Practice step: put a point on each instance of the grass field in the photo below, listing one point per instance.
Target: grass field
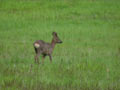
(88, 58)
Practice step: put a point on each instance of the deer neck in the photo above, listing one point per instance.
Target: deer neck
(53, 43)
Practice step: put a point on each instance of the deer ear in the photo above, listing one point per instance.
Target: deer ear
(54, 34)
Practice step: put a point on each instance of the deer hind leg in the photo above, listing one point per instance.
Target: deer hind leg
(37, 55)
(37, 58)
(50, 57)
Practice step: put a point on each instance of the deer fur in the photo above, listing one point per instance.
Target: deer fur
(44, 48)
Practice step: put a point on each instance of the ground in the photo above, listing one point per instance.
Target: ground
(88, 58)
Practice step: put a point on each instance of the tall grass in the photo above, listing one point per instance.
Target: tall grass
(88, 59)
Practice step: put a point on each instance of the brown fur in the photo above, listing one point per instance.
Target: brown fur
(44, 48)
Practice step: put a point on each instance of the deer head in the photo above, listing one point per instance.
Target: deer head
(56, 38)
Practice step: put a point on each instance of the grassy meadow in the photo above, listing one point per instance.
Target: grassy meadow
(88, 58)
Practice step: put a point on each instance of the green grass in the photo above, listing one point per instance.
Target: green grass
(88, 58)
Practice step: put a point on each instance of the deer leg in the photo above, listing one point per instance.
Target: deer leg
(50, 58)
(37, 58)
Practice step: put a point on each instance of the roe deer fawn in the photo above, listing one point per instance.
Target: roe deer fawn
(44, 48)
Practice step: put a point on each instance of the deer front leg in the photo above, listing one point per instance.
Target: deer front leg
(50, 57)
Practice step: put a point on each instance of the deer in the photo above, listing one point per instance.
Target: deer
(44, 48)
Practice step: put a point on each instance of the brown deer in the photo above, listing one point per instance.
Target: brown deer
(44, 48)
